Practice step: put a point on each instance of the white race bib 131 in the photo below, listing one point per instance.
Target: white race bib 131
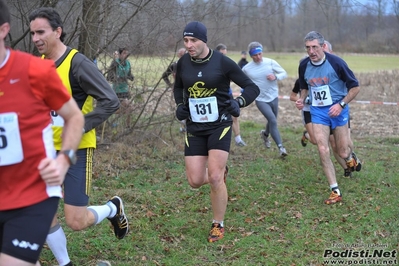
(203, 110)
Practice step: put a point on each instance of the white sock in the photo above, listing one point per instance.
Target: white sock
(104, 211)
(218, 222)
(238, 138)
(334, 187)
(57, 242)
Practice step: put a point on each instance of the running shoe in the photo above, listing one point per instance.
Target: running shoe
(119, 221)
(347, 172)
(304, 140)
(226, 171)
(334, 198)
(352, 164)
(265, 139)
(282, 152)
(216, 233)
(358, 162)
(241, 143)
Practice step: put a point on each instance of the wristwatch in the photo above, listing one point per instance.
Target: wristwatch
(71, 155)
(342, 104)
(241, 101)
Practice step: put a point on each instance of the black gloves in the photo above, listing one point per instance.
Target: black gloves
(182, 112)
(232, 107)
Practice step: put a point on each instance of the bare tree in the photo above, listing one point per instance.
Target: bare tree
(152, 31)
(91, 21)
(395, 8)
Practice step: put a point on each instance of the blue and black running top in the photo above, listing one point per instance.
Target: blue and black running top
(333, 72)
(203, 86)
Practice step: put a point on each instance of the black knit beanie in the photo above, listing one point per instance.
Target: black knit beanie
(197, 30)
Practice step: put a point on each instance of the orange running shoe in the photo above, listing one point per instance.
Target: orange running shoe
(216, 233)
(352, 164)
(334, 198)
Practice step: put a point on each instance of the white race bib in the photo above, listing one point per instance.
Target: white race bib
(11, 151)
(204, 110)
(56, 119)
(321, 96)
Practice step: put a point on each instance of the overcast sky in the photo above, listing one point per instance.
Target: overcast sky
(374, 2)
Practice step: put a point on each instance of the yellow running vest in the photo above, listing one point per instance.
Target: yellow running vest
(89, 138)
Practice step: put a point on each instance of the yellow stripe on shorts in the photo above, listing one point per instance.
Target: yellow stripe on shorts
(89, 169)
(224, 132)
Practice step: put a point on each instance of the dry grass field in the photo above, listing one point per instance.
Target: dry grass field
(367, 119)
(375, 111)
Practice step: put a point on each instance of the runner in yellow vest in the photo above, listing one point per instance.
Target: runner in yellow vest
(85, 83)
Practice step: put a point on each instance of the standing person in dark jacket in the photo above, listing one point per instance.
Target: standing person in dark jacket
(85, 83)
(171, 70)
(202, 97)
(243, 61)
(119, 72)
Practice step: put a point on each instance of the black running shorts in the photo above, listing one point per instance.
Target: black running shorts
(23, 231)
(306, 117)
(219, 139)
(77, 184)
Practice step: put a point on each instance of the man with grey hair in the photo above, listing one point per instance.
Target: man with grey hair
(265, 72)
(308, 133)
(332, 86)
(327, 47)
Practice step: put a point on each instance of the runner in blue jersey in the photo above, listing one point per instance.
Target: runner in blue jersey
(331, 85)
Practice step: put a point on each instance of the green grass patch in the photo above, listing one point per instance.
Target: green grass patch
(359, 63)
(275, 214)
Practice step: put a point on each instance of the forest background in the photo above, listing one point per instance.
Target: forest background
(154, 27)
(152, 31)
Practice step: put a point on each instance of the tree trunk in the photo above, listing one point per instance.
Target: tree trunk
(89, 37)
